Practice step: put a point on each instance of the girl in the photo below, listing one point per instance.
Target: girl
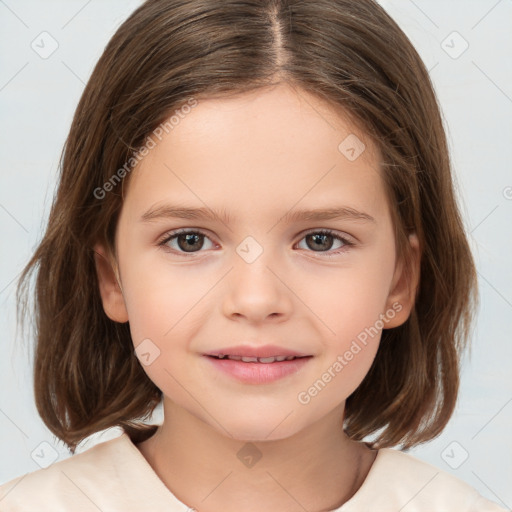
(255, 225)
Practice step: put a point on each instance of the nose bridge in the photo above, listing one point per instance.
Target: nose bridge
(254, 291)
(252, 264)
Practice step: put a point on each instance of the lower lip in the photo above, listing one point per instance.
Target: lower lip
(258, 373)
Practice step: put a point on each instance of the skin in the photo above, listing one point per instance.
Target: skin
(256, 156)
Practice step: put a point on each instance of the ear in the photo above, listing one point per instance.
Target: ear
(110, 290)
(402, 294)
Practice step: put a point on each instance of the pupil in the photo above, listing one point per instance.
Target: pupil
(190, 240)
(320, 241)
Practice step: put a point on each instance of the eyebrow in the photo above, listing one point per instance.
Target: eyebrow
(182, 212)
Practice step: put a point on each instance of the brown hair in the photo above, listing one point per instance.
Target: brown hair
(350, 54)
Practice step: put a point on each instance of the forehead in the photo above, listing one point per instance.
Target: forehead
(262, 151)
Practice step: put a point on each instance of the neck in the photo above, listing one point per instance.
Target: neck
(318, 468)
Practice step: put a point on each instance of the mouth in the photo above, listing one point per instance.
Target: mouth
(264, 360)
(258, 370)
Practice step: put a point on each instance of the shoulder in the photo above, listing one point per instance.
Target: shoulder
(400, 481)
(104, 477)
(60, 483)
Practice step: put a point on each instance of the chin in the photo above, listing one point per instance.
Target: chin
(260, 427)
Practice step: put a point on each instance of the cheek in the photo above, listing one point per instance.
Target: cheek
(349, 300)
(149, 309)
(161, 315)
(351, 305)
(158, 294)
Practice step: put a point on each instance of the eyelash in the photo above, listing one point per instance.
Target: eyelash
(329, 254)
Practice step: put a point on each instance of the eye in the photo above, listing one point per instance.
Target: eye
(324, 240)
(185, 241)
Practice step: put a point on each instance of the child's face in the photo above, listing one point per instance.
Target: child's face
(257, 158)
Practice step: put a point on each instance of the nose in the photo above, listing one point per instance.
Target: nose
(257, 291)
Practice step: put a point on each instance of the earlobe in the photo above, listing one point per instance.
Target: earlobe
(110, 291)
(405, 282)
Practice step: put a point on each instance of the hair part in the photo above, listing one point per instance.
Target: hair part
(350, 54)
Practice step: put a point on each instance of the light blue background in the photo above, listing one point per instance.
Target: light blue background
(37, 100)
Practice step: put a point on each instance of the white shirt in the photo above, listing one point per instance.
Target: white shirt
(114, 476)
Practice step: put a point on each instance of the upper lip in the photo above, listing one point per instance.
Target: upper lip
(251, 351)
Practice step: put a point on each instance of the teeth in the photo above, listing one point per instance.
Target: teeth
(247, 359)
(250, 359)
(267, 359)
